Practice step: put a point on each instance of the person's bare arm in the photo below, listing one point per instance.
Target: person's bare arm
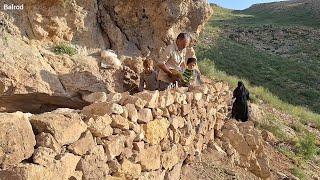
(165, 68)
(141, 84)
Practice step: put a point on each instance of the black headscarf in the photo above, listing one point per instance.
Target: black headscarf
(240, 91)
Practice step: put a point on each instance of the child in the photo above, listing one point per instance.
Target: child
(148, 78)
(190, 74)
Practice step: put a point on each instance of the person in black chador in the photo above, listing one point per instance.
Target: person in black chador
(240, 106)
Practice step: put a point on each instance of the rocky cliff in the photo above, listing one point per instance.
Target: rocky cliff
(128, 27)
(34, 79)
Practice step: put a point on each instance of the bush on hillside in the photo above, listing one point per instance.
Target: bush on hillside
(64, 49)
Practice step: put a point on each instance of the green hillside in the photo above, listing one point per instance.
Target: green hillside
(275, 49)
(284, 58)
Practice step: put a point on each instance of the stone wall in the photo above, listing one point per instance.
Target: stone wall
(149, 135)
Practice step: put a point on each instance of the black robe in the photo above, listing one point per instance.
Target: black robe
(240, 106)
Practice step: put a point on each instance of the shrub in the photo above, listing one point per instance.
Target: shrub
(306, 146)
(298, 173)
(64, 49)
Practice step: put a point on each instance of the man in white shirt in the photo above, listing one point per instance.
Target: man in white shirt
(172, 59)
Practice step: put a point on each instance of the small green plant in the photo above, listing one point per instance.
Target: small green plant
(306, 146)
(64, 3)
(298, 173)
(287, 151)
(298, 127)
(64, 49)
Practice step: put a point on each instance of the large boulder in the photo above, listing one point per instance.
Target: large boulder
(64, 125)
(16, 137)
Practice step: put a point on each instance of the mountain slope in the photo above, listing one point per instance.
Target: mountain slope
(294, 12)
(277, 55)
(273, 48)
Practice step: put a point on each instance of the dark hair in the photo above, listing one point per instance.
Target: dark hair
(183, 36)
(191, 60)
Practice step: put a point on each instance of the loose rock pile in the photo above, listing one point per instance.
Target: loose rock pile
(149, 135)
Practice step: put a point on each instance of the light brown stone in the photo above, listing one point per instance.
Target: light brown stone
(127, 153)
(94, 165)
(268, 136)
(186, 109)
(125, 113)
(114, 146)
(16, 137)
(83, 145)
(140, 136)
(197, 96)
(137, 101)
(153, 175)
(130, 170)
(177, 122)
(113, 97)
(170, 158)
(63, 168)
(157, 113)
(175, 173)
(166, 99)
(132, 112)
(129, 137)
(102, 108)
(44, 156)
(145, 115)
(138, 146)
(156, 130)
(180, 97)
(66, 127)
(166, 113)
(100, 126)
(190, 97)
(95, 97)
(151, 97)
(114, 166)
(150, 158)
(119, 122)
(47, 140)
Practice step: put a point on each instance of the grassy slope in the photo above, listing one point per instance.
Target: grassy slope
(282, 83)
(286, 83)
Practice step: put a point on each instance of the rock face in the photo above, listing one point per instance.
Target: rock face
(135, 28)
(127, 27)
(131, 26)
(16, 137)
